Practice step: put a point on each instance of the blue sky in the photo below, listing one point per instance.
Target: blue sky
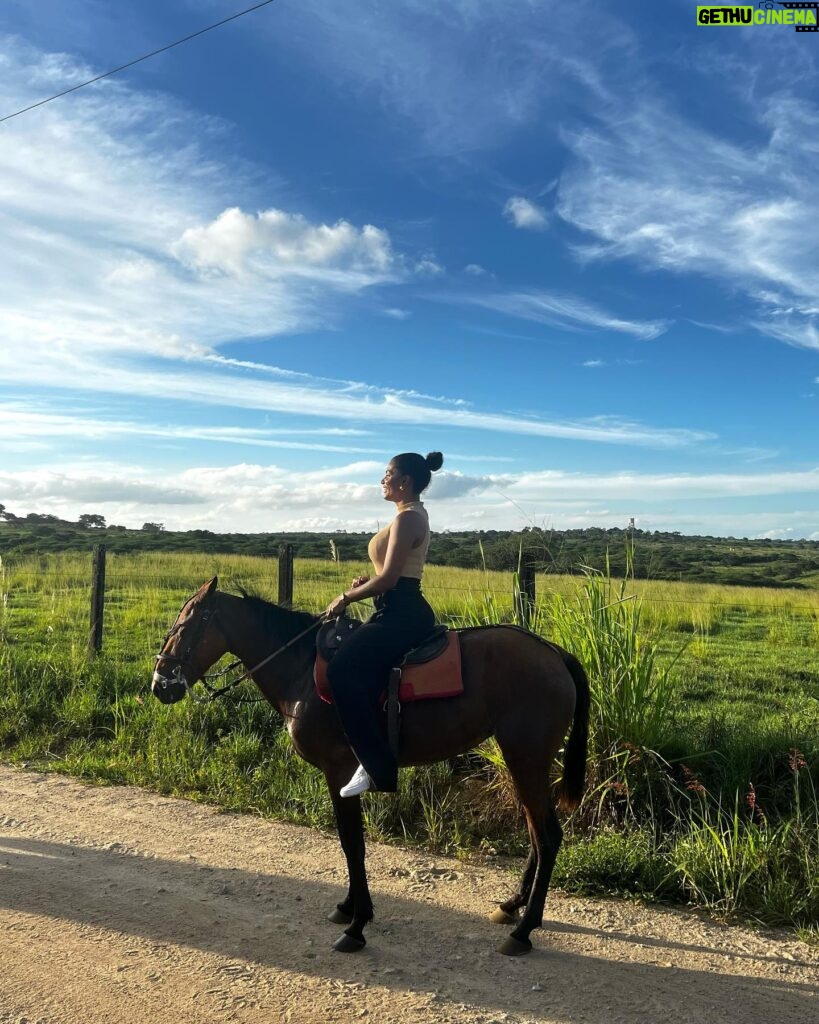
(572, 246)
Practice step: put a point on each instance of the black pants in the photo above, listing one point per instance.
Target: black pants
(359, 673)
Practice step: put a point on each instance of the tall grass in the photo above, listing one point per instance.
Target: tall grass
(732, 858)
(631, 689)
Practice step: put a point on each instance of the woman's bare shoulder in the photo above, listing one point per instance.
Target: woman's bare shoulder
(411, 514)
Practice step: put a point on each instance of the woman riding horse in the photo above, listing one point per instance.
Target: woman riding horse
(517, 687)
(358, 673)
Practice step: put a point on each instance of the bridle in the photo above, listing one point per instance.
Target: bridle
(196, 635)
(177, 677)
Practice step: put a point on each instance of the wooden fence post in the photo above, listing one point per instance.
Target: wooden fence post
(523, 590)
(97, 599)
(286, 575)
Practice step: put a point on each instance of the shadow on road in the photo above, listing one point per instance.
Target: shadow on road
(280, 922)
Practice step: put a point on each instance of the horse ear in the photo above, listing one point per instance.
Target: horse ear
(209, 588)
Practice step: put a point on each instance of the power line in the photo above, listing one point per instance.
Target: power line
(137, 60)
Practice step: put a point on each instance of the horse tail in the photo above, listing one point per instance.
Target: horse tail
(569, 789)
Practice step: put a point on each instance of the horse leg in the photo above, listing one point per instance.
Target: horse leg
(531, 783)
(506, 912)
(343, 914)
(357, 908)
(549, 838)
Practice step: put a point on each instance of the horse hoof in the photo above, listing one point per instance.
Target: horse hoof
(339, 917)
(515, 947)
(348, 944)
(500, 916)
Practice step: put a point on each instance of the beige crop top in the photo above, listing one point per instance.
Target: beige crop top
(414, 565)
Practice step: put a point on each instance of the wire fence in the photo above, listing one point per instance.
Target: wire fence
(89, 602)
(144, 580)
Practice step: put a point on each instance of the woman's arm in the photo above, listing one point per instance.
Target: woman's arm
(405, 530)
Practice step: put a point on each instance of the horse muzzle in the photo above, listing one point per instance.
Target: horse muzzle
(169, 690)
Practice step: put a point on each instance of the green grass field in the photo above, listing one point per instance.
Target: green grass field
(705, 756)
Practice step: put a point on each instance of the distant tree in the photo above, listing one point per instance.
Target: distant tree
(153, 527)
(5, 514)
(88, 519)
(42, 517)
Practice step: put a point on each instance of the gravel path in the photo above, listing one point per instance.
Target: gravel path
(117, 905)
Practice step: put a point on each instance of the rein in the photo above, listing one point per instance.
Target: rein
(214, 693)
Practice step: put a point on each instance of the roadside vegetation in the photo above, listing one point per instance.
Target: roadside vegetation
(704, 762)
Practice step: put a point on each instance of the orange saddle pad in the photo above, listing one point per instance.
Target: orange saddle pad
(440, 677)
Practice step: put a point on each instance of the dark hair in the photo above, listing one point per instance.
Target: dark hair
(418, 468)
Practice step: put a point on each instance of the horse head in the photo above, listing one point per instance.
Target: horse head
(190, 647)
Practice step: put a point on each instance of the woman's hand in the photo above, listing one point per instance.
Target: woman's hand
(336, 607)
(359, 581)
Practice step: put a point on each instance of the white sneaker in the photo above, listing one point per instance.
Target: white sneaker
(359, 783)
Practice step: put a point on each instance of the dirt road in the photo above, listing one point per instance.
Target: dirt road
(117, 905)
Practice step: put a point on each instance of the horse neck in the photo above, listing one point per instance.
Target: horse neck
(281, 680)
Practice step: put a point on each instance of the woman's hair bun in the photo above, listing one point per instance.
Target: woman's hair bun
(434, 460)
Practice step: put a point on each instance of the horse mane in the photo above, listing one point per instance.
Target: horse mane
(273, 617)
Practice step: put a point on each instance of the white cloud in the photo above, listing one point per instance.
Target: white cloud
(336, 401)
(18, 425)
(651, 186)
(800, 333)
(719, 328)
(563, 311)
(268, 497)
(475, 269)
(662, 486)
(57, 491)
(459, 75)
(448, 486)
(129, 243)
(594, 363)
(428, 267)
(397, 314)
(525, 214)
(274, 242)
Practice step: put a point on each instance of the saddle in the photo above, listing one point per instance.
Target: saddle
(431, 669)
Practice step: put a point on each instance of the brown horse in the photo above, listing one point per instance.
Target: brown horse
(518, 688)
